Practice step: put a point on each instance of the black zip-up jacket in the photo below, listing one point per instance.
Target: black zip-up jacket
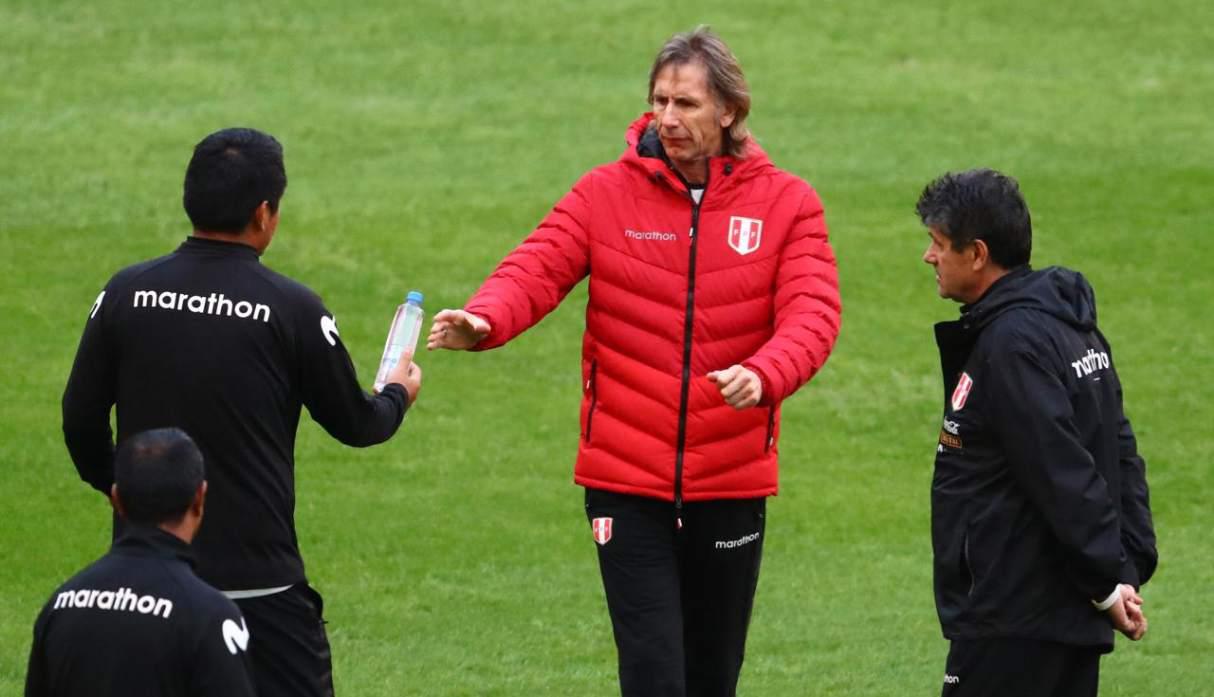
(1039, 498)
(209, 340)
(139, 622)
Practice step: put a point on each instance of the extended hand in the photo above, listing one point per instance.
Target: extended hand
(456, 330)
(740, 387)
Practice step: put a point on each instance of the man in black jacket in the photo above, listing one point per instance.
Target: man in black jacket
(208, 339)
(138, 621)
(1041, 521)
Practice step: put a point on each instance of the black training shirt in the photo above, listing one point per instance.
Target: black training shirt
(139, 622)
(209, 340)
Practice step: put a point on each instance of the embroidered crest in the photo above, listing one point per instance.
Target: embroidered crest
(602, 530)
(745, 234)
(964, 385)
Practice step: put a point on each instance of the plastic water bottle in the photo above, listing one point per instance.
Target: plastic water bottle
(402, 337)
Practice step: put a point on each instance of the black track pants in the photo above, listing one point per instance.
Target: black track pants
(288, 647)
(1020, 668)
(679, 597)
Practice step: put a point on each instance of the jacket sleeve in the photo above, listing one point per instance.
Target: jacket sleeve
(220, 666)
(329, 384)
(1034, 420)
(88, 399)
(533, 279)
(807, 308)
(1137, 528)
(36, 684)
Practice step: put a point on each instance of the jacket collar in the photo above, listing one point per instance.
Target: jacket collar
(646, 152)
(146, 541)
(208, 247)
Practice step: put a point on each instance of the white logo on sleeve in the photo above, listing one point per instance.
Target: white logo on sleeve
(237, 638)
(329, 328)
(96, 305)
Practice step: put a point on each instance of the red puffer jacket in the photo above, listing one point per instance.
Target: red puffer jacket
(676, 291)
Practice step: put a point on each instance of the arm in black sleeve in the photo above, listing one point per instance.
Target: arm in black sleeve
(87, 401)
(1035, 422)
(330, 385)
(1137, 528)
(220, 665)
(35, 676)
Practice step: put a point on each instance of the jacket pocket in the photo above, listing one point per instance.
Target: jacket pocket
(592, 390)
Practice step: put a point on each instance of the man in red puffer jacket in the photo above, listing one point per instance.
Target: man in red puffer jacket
(713, 297)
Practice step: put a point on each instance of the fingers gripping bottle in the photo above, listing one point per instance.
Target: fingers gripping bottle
(402, 337)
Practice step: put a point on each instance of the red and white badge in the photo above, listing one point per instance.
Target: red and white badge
(964, 385)
(745, 234)
(602, 530)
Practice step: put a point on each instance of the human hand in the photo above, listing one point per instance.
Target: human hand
(456, 330)
(1126, 614)
(408, 375)
(740, 387)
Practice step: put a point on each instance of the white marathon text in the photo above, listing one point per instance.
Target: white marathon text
(744, 540)
(121, 600)
(214, 304)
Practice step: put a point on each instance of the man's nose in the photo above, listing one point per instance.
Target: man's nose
(928, 257)
(666, 117)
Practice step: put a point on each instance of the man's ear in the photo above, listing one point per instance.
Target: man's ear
(262, 215)
(200, 498)
(982, 255)
(116, 502)
(728, 114)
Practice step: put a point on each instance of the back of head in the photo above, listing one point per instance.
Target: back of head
(157, 473)
(725, 78)
(231, 173)
(980, 204)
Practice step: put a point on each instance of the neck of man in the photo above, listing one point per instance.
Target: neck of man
(245, 237)
(989, 276)
(184, 528)
(694, 172)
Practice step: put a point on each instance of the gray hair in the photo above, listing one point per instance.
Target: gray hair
(725, 78)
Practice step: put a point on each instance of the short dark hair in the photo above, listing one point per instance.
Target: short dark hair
(231, 173)
(725, 79)
(157, 473)
(980, 204)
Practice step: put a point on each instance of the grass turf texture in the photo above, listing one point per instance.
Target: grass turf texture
(424, 140)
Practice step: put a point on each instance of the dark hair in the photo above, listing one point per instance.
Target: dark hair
(231, 173)
(157, 473)
(725, 78)
(980, 204)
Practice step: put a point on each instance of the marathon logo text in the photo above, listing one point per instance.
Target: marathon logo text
(213, 304)
(121, 600)
(650, 236)
(741, 541)
(1090, 363)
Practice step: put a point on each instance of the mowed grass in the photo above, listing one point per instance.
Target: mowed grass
(425, 139)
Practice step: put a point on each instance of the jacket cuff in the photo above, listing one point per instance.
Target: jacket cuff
(1109, 601)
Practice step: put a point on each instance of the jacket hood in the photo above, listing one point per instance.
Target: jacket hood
(1057, 291)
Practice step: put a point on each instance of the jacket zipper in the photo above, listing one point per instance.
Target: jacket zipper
(771, 427)
(688, 324)
(592, 385)
(965, 551)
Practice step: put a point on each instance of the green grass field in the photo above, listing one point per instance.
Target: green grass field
(425, 139)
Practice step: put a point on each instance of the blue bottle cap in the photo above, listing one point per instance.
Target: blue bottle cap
(414, 297)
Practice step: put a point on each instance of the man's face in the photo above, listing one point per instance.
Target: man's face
(956, 277)
(688, 116)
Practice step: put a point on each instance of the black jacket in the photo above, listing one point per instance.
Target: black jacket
(209, 340)
(1039, 498)
(139, 622)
